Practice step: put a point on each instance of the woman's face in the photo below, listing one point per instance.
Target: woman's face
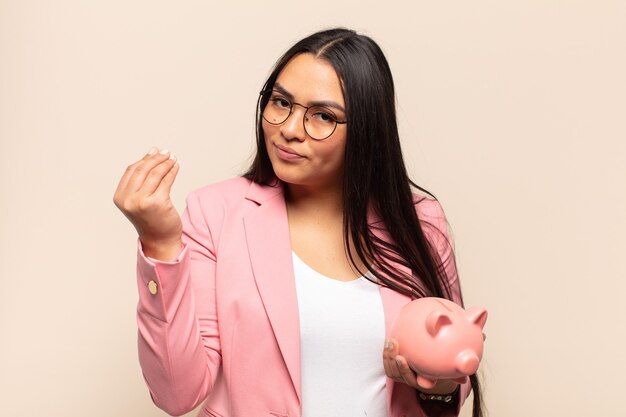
(296, 157)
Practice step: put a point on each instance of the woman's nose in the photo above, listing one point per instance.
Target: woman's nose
(293, 127)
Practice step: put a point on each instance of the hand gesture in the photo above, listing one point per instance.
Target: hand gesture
(143, 195)
(398, 369)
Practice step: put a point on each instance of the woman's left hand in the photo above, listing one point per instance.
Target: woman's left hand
(397, 368)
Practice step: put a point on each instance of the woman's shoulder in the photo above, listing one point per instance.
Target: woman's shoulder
(428, 208)
(432, 218)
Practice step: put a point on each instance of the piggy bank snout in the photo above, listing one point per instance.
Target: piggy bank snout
(467, 362)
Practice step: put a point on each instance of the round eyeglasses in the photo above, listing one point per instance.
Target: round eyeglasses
(319, 122)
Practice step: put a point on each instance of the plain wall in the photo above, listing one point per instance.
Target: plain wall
(511, 113)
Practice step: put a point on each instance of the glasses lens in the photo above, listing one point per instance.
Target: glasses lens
(320, 122)
(277, 109)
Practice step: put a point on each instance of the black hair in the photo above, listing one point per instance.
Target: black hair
(374, 173)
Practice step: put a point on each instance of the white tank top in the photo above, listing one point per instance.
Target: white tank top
(342, 333)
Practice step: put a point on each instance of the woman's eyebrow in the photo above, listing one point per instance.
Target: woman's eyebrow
(323, 103)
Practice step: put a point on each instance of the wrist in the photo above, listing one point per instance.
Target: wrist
(447, 398)
(161, 250)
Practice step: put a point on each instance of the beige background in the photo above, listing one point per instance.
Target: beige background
(512, 113)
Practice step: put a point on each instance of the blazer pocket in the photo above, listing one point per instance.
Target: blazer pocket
(210, 413)
(277, 414)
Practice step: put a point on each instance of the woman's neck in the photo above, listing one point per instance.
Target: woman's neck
(326, 201)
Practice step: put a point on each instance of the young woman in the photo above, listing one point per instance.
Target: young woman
(274, 294)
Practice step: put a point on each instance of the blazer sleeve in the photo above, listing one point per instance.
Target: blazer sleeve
(178, 338)
(435, 226)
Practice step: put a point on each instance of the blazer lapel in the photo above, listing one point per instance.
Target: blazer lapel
(269, 246)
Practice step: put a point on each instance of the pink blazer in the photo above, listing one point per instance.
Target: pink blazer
(220, 322)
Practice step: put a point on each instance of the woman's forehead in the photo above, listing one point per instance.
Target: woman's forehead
(310, 79)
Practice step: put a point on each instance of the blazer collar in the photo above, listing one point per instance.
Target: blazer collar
(259, 194)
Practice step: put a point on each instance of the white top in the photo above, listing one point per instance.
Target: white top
(342, 333)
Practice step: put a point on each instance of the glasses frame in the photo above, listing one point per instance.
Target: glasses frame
(306, 109)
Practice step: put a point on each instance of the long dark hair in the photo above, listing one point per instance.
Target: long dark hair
(374, 177)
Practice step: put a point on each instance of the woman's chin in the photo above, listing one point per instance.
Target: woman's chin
(290, 178)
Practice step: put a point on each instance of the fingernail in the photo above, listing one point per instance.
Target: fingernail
(389, 345)
(398, 361)
(152, 151)
(173, 157)
(164, 152)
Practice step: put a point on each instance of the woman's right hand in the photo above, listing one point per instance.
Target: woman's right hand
(143, 195)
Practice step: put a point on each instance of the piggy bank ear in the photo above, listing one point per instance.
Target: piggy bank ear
(435, 321)
(477, 315)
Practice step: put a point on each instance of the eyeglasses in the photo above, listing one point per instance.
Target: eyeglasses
(319, 122)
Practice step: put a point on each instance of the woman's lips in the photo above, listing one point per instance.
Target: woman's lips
(287, 154)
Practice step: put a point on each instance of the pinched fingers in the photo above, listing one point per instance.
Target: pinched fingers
(155, 177)
(143, 197)
(149, 172)
(144, 177)
(130, 170)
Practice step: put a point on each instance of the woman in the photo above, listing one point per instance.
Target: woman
(274, 293)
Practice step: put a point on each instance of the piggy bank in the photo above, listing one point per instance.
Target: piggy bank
(439, 339)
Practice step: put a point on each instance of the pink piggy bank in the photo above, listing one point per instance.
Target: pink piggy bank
(439, 339)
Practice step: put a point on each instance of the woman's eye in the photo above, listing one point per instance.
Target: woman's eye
(324, 116)
(281, 102)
